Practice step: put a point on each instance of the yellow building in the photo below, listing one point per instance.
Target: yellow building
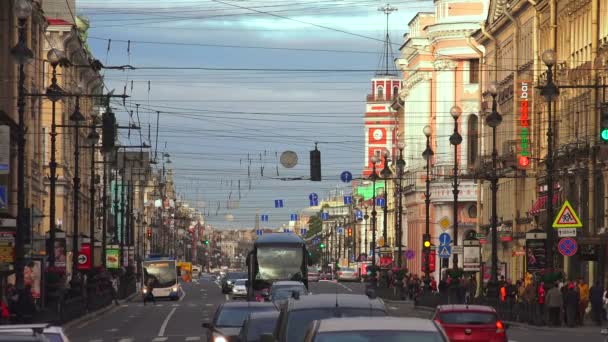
(514, 38)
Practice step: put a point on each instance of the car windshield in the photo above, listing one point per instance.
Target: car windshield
(467, 317)
(384, 336)
(260, 326)
(284, 292)
(298, 320)
(240, 282)
(160, 274)
(234, 317)
(279, 263)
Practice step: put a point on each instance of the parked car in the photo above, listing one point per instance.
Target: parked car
(239, 290)
(385, 329)
(298, 313)
(229, 280)
(313, 275)
(471, 323)
(229, 318)
(257, 324)
(32, 332)
(325, 276)
(280, 291)
(348, 274)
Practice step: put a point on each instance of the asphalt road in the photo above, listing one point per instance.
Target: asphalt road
(181, 320)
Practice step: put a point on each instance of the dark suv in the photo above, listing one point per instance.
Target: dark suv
(229, 280)
(297, 313)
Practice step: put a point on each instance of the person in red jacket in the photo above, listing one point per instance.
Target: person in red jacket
(541, 300)
(6, 316)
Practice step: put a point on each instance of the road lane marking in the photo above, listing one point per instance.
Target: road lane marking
(175, 305)
(208, 304)
(160, 339)
(193, 338)
(161, 332)
(96, 341)
(227, 298)
(393, 308)
(346, 287)
(125, 340)
(112, 330)
(184, 296)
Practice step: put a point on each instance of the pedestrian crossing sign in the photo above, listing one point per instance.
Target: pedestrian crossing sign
(567, 217)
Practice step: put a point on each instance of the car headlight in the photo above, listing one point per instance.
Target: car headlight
(219, 338)
(229, 282)
(145, 291)
(174, 289)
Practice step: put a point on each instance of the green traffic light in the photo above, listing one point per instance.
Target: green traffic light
(206, 242)
(604, 134)
(322, 245)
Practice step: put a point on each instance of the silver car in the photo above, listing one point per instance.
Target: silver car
(348, 274)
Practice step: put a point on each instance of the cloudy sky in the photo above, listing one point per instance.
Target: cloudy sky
(239, 82)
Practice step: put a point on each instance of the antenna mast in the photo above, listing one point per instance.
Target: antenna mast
(387, 9)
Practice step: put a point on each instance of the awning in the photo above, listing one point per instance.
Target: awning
(541, 204)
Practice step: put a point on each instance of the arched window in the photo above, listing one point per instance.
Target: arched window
(380, 92)
(395, 92)
(473, 139)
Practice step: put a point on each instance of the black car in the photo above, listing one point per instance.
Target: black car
(258, 324)
(229, 318)
(229, 280)
(297, 314)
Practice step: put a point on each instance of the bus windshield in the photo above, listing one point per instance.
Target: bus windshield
(279, 263)
(159, 274)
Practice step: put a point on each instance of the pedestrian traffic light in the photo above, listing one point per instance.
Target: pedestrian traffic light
(206, 242)
(315, 165)
(108, 136)
(604, 122)
(350, 232)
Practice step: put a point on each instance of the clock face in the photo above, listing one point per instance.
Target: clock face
(378, 134)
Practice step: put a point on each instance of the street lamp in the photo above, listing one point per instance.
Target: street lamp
(77, 117)
(22, 55)
(366, 217)
(550, 91)
(400, 171)
(386, 175)
(455, 139)
(427, 155)
(493, 120)
(92, 139)
(374, 176)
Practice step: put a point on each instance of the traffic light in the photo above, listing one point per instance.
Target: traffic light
(322, 245)
(108, 135)
(426, 242)
(206, 242)
(149, 233)
(315, 165)
(350, 232)
(604, 122)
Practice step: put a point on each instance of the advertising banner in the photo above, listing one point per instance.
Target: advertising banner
(60, 253)
(472, 258)
(84, 257)
(536, 255)
(32, 276)
(7, 249)
(112, 258)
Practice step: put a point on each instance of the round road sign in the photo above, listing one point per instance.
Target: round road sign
(567, 247)
(82, 259)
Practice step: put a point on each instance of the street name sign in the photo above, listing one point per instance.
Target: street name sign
(567, 218)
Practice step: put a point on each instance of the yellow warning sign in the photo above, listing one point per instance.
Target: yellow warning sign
(567, 218)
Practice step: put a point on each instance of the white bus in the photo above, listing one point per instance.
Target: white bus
(160, 273)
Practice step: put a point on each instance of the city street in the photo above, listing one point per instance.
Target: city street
(181, 320)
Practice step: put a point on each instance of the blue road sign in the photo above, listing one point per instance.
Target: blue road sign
(445, 239)
(278, 203)
(293, 217)
(348, 200)
(358, 215)
(259, 232)
(3, 197)
(264, 218)
(340, 230)
(303, 231)
(324, 216)
(444, 251)
(567, 247)
(380, 202)
(314, 202)
(313, 196)
(346, 177)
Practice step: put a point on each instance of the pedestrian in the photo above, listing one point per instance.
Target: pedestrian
(114, 288)
(583, 290)
(572, 305)
(596, 297)
(554, 301)
(149, 295)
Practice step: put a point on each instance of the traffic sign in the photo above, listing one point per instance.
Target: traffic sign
(445, 251)
(3, 197)
(340, 230)
(567, 246)
(82, 259)
(380, 202)
(358, 215)
(445, 239)
(346, 177)
(348, 200)
(566, 232)
(567, 218)
(409, 254)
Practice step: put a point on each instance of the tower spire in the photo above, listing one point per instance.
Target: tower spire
(387, 51)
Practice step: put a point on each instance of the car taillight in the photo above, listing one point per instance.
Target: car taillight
(500, 328)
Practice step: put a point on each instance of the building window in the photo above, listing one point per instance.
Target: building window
(395, 92)
(473, 139)
(380, 92)
(474, 71)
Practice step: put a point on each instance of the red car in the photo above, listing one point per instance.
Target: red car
(471, 323)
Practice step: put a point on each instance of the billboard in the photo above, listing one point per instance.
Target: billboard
(112, 258)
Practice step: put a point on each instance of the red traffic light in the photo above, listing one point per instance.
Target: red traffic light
(350, 232)
(524, 161)
(149, 232)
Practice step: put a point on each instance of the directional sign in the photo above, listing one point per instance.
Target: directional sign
(348, 200)
(324, 216)
(567, 246)
(567, 218)
(314, 199)
(346, 177)
(409, 254)
(264, 218)
(82, 259)
(445, 239)
(566, 232)
(380, 202)
(303, 231)
(259, 232)
(3, 197)
(340, 230)
(293, 217)
(444, 251)
(358, 215)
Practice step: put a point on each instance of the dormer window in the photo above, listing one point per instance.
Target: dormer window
(380, 92)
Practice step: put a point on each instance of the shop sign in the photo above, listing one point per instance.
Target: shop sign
(84, 257)
(7, 247)
(536, 255)
(524, 123)
(112, 258)
(472, 259)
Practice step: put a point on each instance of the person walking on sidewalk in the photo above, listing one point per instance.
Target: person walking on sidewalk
(583, 290)
(572, 305)
(114, 284)
(554, 302)
(596, 297)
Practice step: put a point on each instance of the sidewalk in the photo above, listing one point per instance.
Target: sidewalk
(97, 313)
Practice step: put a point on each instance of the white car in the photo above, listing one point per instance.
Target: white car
(239, 290)
(51, 333)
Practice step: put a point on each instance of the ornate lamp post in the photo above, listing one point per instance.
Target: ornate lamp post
(386, 175)
(22, 55)
(493, 120)
(77, 117)
(550, 91)
(427, 155)
(92, 139)
(374, 176)
(455, 139)
(400, 171)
